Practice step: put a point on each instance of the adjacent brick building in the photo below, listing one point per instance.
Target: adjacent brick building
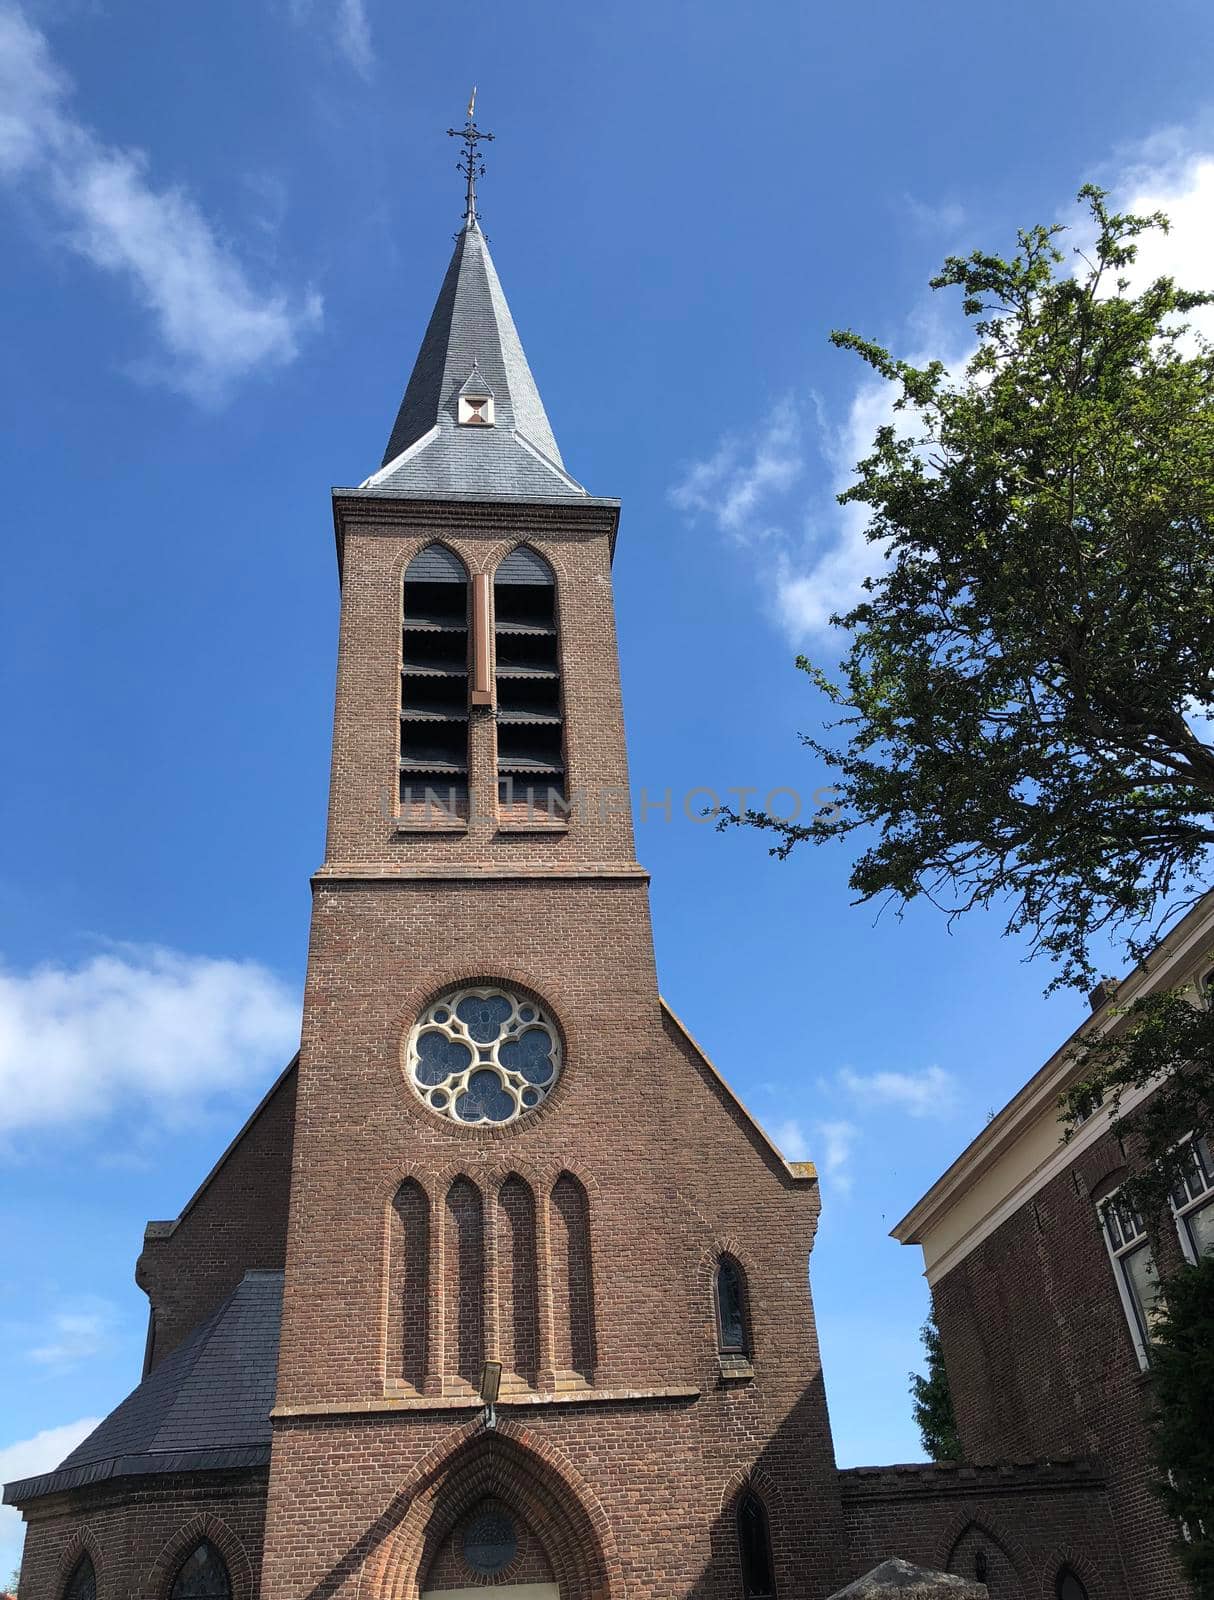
(498, 1146)
(1042, 1283)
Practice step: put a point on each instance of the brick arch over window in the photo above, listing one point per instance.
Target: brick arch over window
(572, 1274)
(521, 1472)
(82, 1543)
(1080, 1564)
(1008, 1575)
(167, 1564)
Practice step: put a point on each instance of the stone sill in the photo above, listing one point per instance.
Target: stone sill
(735, 1369)
(555, 826)
(430, 827)
(454, 1402)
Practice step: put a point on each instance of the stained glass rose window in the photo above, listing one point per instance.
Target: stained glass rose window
(483, 1056)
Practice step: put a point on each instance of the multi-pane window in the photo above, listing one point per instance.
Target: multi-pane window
(203, 1575)
(754, 1547)
(82, 1585)
(1068, 1585)
(731, 1314)
(530, 721)
(1130, 1250)
(1193, 1200)
(434, 689)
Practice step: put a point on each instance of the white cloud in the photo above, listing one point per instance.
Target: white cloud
(791, 1141)
(215, 327)
(348, 26)
(25, 1459)
(942, 217)
(1183, 189)
(828, 1144)
(838, 1140)
(136, 1026)
(929, 1093)
(745, 474)
(75, 1335)
(354, 34)
(752, 486)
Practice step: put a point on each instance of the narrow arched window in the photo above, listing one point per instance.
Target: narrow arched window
(1068, 1585)
(203, 1575)
(530, 723)
(434, 689)
(754, 1546)
(82, 1585)
(731, 1308)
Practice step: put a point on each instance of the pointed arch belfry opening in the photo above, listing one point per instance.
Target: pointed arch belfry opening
(434, 688)
(513, 1470)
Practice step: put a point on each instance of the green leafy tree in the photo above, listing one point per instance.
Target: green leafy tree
(1182, 1362)
(1024, 689)
(933, 1402)
(14, 1578)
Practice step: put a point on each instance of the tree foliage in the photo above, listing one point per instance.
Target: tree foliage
(1027, 675)
(1182, 1362)
(933, 1402)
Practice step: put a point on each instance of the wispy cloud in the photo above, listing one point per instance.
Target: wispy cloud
(838, 1139)
(931, 1092)
(75, 1335)
(25, 1459)
(346, 24)
(745, 474)
(138, 1026)
(777, 482)
(939, 218)
(214, 326)
(829, 1144)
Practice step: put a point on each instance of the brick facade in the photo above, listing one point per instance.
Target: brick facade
(1041, 1360)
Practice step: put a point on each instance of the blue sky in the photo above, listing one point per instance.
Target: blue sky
(225, 227)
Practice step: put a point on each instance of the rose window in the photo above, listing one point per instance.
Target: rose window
(483, 1055)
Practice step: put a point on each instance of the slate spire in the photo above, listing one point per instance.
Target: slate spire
(472, 341)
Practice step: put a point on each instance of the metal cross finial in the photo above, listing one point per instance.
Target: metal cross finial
(470, 163)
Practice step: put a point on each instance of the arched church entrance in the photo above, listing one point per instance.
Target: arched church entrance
(499, 1510)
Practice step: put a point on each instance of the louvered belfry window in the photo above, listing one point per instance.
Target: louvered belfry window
(530, 723)
(434, 689)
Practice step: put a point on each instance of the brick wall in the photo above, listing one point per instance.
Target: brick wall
(137, 1531)
(1016, 1525)
(1041, 1361)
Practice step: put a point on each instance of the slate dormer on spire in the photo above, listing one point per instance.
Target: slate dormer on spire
(472, 340)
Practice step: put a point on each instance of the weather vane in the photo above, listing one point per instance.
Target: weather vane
(470, 164)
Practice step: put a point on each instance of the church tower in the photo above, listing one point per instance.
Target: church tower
(507, 1149)
(500, 1160)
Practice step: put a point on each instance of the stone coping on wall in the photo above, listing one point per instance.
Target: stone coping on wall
(933, 1478)
(449, 1402)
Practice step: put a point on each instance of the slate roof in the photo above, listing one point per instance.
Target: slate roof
(205, 1406)
(429, 455)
